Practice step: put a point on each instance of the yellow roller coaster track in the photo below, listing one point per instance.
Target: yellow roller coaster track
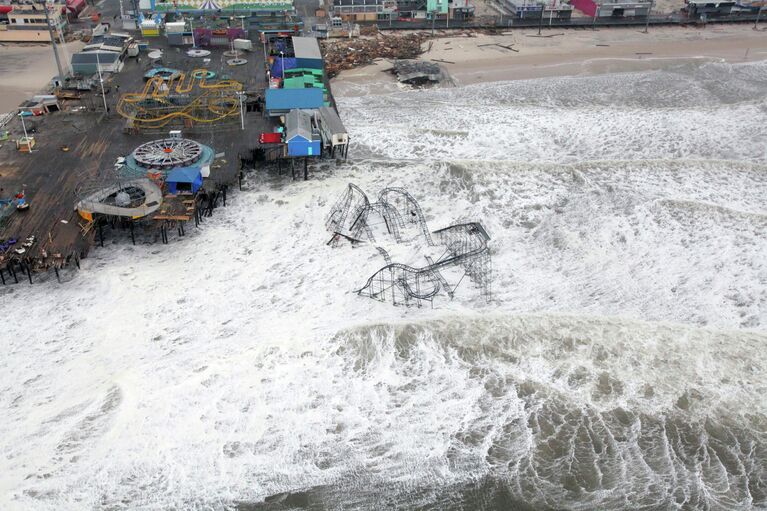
(219, 98)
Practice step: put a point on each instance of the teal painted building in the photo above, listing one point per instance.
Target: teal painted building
(440, 6)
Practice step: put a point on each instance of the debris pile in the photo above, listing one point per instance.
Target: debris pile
(418, 72)
(351, 53)
(369, 30)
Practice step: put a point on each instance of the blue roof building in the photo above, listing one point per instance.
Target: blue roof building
(184, 180)
(302, 138)
(282, 101)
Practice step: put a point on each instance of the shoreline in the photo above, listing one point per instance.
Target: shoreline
(480, 59)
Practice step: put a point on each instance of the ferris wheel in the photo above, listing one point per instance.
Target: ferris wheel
(168, 153)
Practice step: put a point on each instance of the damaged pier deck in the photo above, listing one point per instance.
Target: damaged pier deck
(49, 176)
(80, 143)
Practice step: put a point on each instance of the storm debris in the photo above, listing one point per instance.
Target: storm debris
(418, 72)
(351, 53)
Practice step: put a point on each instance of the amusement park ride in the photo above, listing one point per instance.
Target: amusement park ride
(183, 99)
(463, 247)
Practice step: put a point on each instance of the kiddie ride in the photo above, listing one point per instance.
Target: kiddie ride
(19, 201)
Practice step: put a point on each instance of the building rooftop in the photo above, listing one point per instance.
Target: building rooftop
(184, 175)
(93, 57)
(298, 123)
(107, 43)
(306, 48)
(289, 99)
(331, 120)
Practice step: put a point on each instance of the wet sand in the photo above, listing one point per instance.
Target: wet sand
(25, 69)
(566, 53)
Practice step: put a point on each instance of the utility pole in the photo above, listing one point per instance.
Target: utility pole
(53, 41)
(540, 19)
(596, 13)
(433, 19)
(758, 13)
(66, 67)
(647, 22)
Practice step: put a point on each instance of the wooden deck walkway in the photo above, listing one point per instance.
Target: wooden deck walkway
(50, 176)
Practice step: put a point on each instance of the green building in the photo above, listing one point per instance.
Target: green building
(439, 6)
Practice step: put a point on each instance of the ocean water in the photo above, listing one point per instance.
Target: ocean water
(620, 362)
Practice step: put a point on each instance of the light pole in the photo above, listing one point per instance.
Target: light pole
(135, 14)
(266, 58)
(101, 81)
(540, 19)
(240, 94)
(758, 13)
(26, 137)
(282, 62)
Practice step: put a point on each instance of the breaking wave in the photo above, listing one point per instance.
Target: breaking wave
(569, 412)
(618, 365)
(714, 110)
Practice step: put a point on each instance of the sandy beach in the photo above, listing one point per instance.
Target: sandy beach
(566, 53)
(26, 69)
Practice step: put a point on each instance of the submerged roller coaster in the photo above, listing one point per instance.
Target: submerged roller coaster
(183, 99)
(464, 246)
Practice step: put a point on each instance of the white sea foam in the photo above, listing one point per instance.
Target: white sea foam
(618, 364)
(684, 112)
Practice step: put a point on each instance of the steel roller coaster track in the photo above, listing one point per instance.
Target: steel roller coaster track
(465, 246)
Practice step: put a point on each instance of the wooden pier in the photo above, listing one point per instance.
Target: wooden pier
(81, 142)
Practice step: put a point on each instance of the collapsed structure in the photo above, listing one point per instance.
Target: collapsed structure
(419, 72)
(463, 247)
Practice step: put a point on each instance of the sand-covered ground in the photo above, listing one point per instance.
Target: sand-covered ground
(566, 53)
(26, 69)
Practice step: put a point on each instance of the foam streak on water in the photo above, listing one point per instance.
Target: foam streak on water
(620, 363)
